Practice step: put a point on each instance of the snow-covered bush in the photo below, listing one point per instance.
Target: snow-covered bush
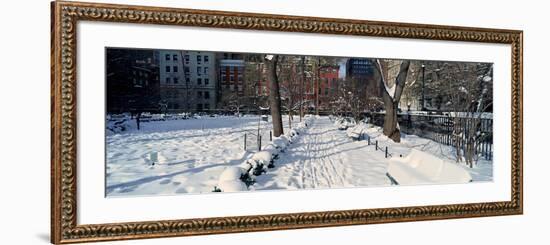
(263, 159)
(232, 186)
(287, 139)
(231, 180)
(293, 133)
(272, 149)
(280, 143)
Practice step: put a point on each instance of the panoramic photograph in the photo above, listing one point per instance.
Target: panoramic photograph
(190, 122)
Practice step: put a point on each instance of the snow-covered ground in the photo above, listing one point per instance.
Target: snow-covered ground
(193, 153)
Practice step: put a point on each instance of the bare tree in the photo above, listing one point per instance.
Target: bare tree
(468, 92)
(274, 96)
(302, 84)
(391, 96)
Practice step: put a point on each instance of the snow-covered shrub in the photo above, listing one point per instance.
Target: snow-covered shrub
(280, 143)
(272, 149)
(287, 139)
(231, 173)
(232, 186)
(293, 133)
(231, 180)
(265, 158)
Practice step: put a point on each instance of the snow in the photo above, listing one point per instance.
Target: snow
(263, 157)
(325, 157)
(231, 173)
(279, 142)
(423, 168)
(232, 186)
(192, 154)
(200, 155)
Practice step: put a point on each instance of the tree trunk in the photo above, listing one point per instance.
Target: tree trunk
(391, 102)
(390, 120)
(317, 86)
(303, 81)
(274, 96)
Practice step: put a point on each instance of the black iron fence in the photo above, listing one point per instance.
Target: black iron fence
(448, 130)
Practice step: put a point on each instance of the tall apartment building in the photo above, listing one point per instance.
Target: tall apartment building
(173, 88)
(200, 74)
(187, 80)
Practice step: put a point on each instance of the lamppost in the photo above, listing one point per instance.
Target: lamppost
(423, 84)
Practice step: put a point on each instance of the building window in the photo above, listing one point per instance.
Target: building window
(207, 95)
(186, 59)
(205, 59)
(206, 106)
(187, 80)
(175, 57)
(199, 81)
(206, 70)
(199, 59)
(199, 94)
(175, 80)
(167, 57)
(167, 80)
(198, 70)
(231, 78)
(206, 81)
(175, 69)
(167, 68)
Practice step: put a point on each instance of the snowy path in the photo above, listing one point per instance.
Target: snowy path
(324, 157)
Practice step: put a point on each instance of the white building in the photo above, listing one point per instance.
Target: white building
(187, 80)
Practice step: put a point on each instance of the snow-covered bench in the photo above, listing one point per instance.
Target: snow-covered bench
(423, 168)
(356, 133)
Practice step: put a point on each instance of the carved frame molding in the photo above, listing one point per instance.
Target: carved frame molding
(65, 15)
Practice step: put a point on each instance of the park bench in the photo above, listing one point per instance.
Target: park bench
(356, 133)
(419, 167)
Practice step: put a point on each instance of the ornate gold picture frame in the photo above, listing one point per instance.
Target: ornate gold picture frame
(64, 107)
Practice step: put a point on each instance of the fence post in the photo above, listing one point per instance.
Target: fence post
(245, 141)
(260, 143)
(376, 145)
(270, 135)
(386, 152)
(368, 139)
